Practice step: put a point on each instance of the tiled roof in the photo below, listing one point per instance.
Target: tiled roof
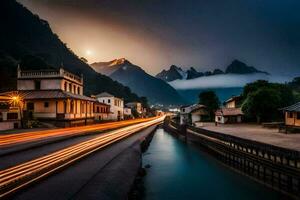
(47, 94)
(295, 108)
(229, 112)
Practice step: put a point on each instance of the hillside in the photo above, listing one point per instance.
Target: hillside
(29, 40)
(156, 90)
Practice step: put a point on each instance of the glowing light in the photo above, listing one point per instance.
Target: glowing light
(88, 52)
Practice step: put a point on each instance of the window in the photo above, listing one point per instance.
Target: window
(108, 100)
(98, 109)
(78, 90)
(103, 101)
(12, 116)
(298, 115)
(290, 115)
(70, 87)
(46, 104)
(65, 86)
(37, 85)
(30, 106)
(74, 89)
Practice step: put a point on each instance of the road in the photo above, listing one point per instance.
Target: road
(7, 140)
(24, 174)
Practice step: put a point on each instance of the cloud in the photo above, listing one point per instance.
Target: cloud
(226, 81)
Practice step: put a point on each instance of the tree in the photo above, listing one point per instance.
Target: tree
(262, 104)
(84, 59)
(211, 101)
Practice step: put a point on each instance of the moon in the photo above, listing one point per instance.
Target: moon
(88, 52)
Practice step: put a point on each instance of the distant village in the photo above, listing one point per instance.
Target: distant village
(55, 98)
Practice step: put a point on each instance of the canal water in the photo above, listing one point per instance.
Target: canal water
(183, 171)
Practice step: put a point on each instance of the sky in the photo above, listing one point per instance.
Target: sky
(204, 34)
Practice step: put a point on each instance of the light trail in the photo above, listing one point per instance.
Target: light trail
(18, 138)
(22, 175)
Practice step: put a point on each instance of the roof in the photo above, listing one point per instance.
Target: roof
(233, 98)
(194, 107)
(229, 112)
(47, 94)
(102, 104)
(104, 94)
(295, 107)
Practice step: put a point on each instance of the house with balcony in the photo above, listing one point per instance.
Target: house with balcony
(54, 96)
(116, 105)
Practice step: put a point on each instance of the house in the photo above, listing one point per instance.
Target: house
(192, 114)
(10, 113)
(292, 116)
(233, 102)
(116, 105)
(228, 115)
(127, 113)
(231, 113)
(136, 106)
(101, 111)
(54, 96)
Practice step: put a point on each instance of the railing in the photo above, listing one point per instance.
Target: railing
(38, 74)
(275, 166)
(49, 73)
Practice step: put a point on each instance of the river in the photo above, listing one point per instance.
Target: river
(183, 171)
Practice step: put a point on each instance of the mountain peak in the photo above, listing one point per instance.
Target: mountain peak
(238, 67)
(119, 61)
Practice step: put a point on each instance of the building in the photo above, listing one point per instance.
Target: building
(231, 113)
(137, 107)
(55, 96)
(292, 116)
(192, 114)
(10, 113)
(128, 113)
(116, 105)
(233, 102)
(101, 111)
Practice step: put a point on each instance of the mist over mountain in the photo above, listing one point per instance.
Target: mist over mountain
(157, 91)
(28, 40)
(236, 67)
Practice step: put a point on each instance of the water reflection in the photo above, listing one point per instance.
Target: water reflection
(180, 171)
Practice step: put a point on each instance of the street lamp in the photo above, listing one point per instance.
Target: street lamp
(16, 102)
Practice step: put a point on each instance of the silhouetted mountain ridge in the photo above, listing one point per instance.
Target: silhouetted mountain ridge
(133, 76)
(236, 67)
(29, 40)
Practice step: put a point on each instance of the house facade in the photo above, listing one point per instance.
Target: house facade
(101, 111)
(116, 105)
(292, 116)
(55, 96)
(128, 113)
(231, 112)
(10, 113)
(192, 114)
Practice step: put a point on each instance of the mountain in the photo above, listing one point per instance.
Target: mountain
(29, 40)
(156, 90)
(176, 73)
(238, 67)
(172, 74)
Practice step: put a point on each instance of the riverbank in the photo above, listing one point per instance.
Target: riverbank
(273, 166)
(178, 170)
